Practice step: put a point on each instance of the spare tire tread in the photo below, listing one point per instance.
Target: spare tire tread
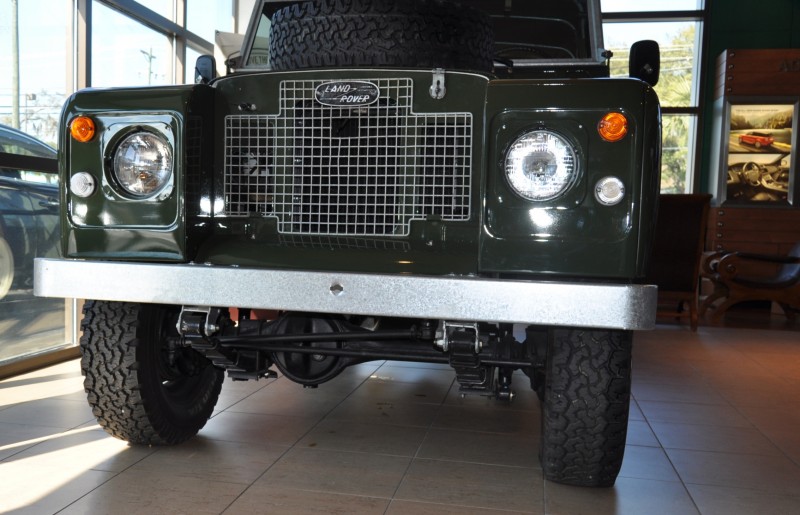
(415, 33)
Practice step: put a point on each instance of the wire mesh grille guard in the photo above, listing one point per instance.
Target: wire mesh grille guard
(348, 171)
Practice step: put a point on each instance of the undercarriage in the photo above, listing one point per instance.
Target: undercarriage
(154, 372)
(312, 348)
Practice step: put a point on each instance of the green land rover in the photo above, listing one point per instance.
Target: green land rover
(446, 181)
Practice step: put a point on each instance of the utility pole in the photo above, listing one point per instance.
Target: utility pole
(28, 96)
(149, 56)
(15, 64)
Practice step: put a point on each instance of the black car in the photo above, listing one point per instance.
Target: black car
(28, 228)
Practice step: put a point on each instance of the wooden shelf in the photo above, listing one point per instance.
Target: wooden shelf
(770, 72)
(753, 229)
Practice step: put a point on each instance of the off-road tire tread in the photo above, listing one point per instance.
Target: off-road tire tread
(586, 405)
(380, 33)
(116, 380)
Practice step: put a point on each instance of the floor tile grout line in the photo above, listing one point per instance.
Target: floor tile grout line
(114, 476)
(669, 459)
(733, 405)
(746, 489)
(755, 426)
(443, 405)
(270, 382)
(299, 439)
(252, 483)
(419, 447)
(737, 407)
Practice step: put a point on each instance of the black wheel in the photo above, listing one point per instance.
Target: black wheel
(6, 267)
(141, 388)
(403, 33)
(585, 407)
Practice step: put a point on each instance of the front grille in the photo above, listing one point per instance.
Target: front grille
(348, 171)
(313, 241)
(194, 168)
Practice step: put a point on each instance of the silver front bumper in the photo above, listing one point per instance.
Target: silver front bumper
(611, 306)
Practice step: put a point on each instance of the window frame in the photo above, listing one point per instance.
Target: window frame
(700, 16)
(180, 37)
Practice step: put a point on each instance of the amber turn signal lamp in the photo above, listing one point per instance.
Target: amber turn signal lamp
(613, 127)
(82, 129)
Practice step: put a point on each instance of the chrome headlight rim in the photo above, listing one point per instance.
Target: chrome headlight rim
(151, 179)
(536, 189)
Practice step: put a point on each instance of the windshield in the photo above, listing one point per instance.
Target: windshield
(539, 29)
(526, 31)
(259, 54)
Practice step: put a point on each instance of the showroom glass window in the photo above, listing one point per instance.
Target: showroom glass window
(35, 79)
(135, 47)
(677, 26)
(205, 18)
(125, 52)
(165, 8)
(133, 43)
(45, 77)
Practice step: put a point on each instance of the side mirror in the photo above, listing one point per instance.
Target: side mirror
(205, 69)
(645, 61)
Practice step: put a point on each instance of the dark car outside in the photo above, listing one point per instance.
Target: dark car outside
(29, 228)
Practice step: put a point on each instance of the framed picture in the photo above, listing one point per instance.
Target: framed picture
(759, 158)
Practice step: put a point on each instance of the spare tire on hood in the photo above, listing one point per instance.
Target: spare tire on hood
(381, 33)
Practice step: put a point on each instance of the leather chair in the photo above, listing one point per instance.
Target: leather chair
(736, 278)
(675, 258)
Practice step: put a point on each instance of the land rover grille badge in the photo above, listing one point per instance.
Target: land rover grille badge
(351, 93)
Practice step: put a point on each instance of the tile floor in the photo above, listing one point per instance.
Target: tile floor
(713, 431)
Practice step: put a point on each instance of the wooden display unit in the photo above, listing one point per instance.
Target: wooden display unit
(758, 72)
(754, 161)
(756, 107)
(745, 229)
(764, 231)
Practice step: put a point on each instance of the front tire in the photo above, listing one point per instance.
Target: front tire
(585, 406)
(141, 390)
(6, 267)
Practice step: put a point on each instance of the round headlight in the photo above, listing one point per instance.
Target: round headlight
(541, 165)
(143, 163)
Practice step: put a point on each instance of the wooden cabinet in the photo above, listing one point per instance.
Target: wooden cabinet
(753, 229)
(760, 71)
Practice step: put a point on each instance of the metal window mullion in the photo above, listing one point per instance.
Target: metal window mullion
(83, 24)
(142, 14)
(659, 16)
